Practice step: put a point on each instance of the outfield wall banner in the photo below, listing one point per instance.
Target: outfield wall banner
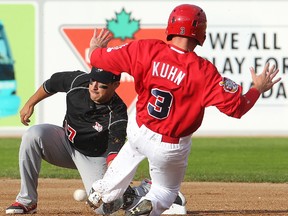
(239, 35)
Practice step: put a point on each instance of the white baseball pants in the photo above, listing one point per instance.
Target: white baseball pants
(167, 165)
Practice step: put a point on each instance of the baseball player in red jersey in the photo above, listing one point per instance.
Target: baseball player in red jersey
(174, 87)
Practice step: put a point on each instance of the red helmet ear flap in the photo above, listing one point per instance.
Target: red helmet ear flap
(187, 20)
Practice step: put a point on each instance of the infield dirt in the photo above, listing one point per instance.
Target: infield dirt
(203, 198)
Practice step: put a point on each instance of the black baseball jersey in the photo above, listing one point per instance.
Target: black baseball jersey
(92, 129)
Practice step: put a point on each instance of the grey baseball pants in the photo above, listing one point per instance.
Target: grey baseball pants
(49, 142)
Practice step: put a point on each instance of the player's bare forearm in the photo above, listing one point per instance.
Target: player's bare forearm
(28, 109)
(99, 41)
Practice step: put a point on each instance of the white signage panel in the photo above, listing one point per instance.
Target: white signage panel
(240, 34)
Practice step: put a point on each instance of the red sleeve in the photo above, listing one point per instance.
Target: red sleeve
(226, 95)
(115, 59)
(247, 102)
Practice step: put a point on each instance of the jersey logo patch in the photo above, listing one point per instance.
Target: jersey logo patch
(229, 85)
(98, 127)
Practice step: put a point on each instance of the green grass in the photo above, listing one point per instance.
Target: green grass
(230, 159)
(239, 159)
(9, 148)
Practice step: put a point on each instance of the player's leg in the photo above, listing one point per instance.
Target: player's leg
(120, 173)
(178, 207)
(167, 170)
(39, 142)
(90, 169)
(118, 206)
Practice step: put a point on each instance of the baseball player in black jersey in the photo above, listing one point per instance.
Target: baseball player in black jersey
(94, 130)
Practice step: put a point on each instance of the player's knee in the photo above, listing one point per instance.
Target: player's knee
(31, 137)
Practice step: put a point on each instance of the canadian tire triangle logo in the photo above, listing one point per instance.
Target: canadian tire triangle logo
(124, 29)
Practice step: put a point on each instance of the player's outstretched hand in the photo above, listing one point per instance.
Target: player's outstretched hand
(99, 40)
(265, 81)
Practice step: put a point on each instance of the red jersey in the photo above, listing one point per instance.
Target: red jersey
(173, 86)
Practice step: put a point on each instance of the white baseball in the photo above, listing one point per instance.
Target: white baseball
(80, 195)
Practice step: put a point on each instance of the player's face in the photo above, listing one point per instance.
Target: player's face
(100, 92)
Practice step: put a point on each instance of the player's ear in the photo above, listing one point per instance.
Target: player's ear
(116, 84)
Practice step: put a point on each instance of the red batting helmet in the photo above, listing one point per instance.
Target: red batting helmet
(187, 20)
